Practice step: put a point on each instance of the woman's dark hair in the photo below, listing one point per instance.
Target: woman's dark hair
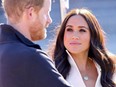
(97, 51)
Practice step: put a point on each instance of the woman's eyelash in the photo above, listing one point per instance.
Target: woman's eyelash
(82, 30)
(69, 29)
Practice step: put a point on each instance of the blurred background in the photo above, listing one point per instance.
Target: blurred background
(104, 10)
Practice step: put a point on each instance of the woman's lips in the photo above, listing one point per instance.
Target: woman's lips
(75, 43)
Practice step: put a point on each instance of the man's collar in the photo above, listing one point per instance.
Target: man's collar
(9, 31)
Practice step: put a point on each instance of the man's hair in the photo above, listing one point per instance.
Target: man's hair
(15, 8)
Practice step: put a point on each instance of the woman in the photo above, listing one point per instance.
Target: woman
(80, 54)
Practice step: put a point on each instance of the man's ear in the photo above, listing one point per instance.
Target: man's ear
(30, 12)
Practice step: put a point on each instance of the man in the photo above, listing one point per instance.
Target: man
(23, 63)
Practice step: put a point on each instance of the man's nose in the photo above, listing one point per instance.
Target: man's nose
(49, 19)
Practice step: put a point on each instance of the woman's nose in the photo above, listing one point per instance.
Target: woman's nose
(75, 35)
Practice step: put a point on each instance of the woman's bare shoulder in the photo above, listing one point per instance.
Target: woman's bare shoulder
(113, 57)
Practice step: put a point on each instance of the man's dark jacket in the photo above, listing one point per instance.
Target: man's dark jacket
(24, 64)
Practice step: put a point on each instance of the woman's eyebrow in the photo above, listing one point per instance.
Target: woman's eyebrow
(83, 27)
(78, 26)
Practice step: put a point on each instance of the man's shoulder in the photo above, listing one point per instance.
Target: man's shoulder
(20, 50)
(25, 55)
(28, 51)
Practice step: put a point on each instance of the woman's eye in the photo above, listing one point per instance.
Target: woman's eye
(82, 30)
(69, 29)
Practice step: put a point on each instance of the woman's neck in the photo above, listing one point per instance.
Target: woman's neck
(81, 61)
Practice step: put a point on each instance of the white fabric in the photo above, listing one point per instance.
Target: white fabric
(74, 77)
(114, 76)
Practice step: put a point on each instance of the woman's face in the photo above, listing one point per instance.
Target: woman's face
(77, 35)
